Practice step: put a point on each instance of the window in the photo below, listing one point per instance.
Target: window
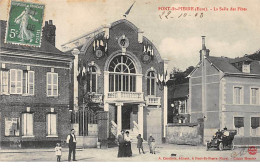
(4, 80)
(27, 124)
(151, 83)
(255, 126)
(12, 127)
(246, 68)
(51, 124)
(238, 95)
(122, 74)
(239, 125)
(92, 79)
(254, 96)
(16, 81)
(182, 106)
(52, 84)
(28, 82)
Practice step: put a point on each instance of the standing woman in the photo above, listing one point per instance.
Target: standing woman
(128, 149)
(121, 146)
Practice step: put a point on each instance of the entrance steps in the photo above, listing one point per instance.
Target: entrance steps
(133, 136)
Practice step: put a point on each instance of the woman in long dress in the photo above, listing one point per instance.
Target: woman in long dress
(128, 149)
(22, 19)
(121, 146)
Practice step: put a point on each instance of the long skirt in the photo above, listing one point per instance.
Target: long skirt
(121, 150)
(128, 149)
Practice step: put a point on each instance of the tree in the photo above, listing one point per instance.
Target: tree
(178, 76)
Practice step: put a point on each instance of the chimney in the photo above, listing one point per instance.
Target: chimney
(204, 52)
(49, 32)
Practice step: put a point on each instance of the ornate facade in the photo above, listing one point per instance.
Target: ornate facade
(122, 71)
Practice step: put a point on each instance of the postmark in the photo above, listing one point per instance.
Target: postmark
(252, 150)
(24, 25)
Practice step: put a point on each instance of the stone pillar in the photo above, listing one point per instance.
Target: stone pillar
(165, 98)
(119, 117)
(76, 53)
(141, 119)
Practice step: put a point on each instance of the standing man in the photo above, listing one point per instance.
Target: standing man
(71, 140)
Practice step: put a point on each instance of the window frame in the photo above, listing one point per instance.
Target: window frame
(90, 81)
(1, 82)
(122, 81)
(48, 129)
(241, 95)
(257, 98)
(150, 78)
(15, 81)
(235, 128)
(254, 116)
(19, 127)
(26, 125)
(52, 85)
(28, 83)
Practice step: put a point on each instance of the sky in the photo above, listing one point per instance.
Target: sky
(178, 38)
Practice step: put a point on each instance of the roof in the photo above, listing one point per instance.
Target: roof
(86, 40)
(45, 47)
(223, 64)
(178, 91)
(240, 59)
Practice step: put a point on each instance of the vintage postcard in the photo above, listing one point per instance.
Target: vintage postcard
(127, 81)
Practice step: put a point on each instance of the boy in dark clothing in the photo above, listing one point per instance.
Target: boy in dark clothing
(140, 143)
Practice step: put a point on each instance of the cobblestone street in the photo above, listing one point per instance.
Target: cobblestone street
(164, 153)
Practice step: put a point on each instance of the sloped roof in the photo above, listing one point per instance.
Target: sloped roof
(178, 91)
(45, 47)
(240, 59)
(223, 64)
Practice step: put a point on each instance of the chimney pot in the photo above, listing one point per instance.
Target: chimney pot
(203, 42)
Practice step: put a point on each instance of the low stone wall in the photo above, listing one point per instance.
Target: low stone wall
(88, 141)
(183, 134)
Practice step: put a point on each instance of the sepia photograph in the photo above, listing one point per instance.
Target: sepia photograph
(129, 81)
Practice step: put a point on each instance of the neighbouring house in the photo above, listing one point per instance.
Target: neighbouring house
(34, 91)
(224, 92)
(123, 72)
(178, 103)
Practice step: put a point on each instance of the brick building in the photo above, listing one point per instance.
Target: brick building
(224, 92)
(124, 72)
(34, 91)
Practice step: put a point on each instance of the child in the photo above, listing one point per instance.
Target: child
(153, 146)
(58, 151)
(140, 143)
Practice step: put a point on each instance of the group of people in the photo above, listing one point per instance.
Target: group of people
(124, 147)
(71, 140)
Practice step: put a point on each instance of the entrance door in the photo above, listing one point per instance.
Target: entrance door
(126, 111)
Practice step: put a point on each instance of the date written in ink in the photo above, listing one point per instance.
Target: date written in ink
(171, 15)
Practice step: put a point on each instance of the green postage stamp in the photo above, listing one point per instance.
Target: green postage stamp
(25, 23)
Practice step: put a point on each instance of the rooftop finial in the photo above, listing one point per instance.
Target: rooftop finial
(203, 43)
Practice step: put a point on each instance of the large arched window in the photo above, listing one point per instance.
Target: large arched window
(151, 83)
(122, 74)
(92, 79)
